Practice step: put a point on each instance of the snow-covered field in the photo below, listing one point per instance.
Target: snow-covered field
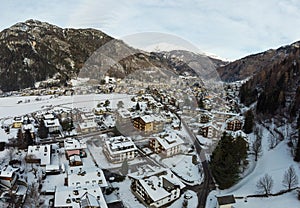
(10, 108)
(273, 162)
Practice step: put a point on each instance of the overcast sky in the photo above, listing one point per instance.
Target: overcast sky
(228, 28)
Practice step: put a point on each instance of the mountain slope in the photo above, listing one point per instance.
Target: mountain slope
(34, 51)
(273, 80)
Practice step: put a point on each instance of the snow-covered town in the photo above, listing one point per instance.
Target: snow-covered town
(143, 149)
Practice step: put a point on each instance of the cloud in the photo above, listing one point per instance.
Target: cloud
(231, 29)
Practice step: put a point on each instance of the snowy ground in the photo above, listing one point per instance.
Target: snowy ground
(184, 168)
(274, 162)
(10, 108)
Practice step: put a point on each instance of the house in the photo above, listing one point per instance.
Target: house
(166, 144)
(17, 122)
(88, 196)
(40, 154)
(155, 187)
(75, 160)
(87, 127)
(87, 176)
(209, 131)
(100, 111)
(74, 147)
(144, 123)
(120, 148)
(149, 123)
(30, 128)
(87, 117)
(234, 124)
(204, 118)
(225, 201)
(52, 123)
(8, 177)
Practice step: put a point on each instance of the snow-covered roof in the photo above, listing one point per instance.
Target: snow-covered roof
(109, 121)
(153, 186)
(49, 116)
(51, 123)
(74, 144)
(147, 118)
(87, 116)
(75, 196)
(18, 119)
(87, 125)
(169, 140)
(82, 176)
(120, 144)
(7, 171)
(29, 127)
(3, 136)
(124, 113)
(152, 179)
(42, 152)
(238, 118)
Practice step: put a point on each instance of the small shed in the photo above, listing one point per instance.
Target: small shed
(225, 201)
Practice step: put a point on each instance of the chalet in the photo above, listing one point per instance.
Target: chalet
(40, 154)
(88, 196)
(225, 201)
(144, 123)
(234, 124)
(17, 122)
(166, 144)
(8, 177)
(204, 118)
(209, 131)
(155, 187)
(149, 123)
(120, 148)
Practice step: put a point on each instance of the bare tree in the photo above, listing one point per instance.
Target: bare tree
(290, 179)
(33, 195)
(256, 147)
(265, 184)
(272, 142)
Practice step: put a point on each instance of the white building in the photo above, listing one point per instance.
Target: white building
(168, 144)
(8, 176)
(74, 144)
(39, 154)
(118, 149)
(52, 125)
(79, 197)
(155, 187)
(87, 176)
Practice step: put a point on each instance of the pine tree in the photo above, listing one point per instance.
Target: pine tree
(137, 107)
(226, 160)
(249, 122)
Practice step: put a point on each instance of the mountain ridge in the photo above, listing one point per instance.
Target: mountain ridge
(34, 51)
